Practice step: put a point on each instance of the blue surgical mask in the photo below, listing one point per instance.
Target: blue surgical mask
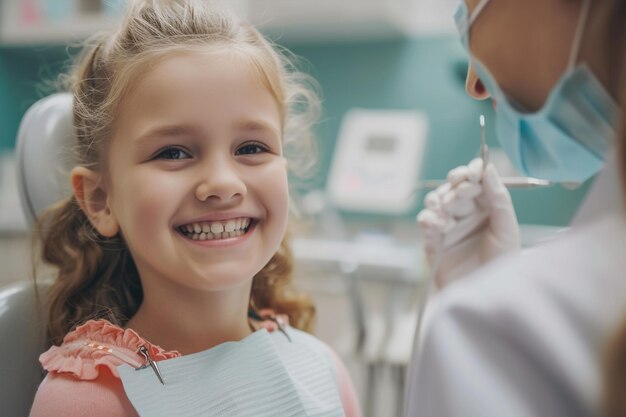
(568, 138)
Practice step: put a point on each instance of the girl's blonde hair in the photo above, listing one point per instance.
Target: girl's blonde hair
(97, 276)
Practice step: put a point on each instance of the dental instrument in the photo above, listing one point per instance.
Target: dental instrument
(484, 150)
(509, 182)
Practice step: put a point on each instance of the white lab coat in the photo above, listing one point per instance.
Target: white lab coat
(524, 336)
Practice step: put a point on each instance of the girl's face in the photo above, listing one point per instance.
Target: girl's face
(198, 182)
(524, 44)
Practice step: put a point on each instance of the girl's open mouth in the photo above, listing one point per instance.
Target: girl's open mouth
(217, 230)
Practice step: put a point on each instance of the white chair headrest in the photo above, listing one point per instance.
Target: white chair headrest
(44, 154)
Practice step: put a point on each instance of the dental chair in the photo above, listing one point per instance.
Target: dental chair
(43, 157)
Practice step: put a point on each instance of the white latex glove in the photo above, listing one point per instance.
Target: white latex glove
(470, 219)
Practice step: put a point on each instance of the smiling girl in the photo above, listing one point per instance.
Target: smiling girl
(176, 227)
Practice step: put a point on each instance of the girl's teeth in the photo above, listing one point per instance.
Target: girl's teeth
(216, 230)
(230, 226)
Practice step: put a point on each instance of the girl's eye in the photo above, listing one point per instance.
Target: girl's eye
(251, 149)
(173, 153)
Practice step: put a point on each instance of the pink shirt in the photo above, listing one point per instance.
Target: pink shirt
(82, 377)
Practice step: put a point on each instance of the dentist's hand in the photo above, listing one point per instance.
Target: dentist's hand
(470, 219)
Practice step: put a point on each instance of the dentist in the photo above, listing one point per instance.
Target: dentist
(524, 333)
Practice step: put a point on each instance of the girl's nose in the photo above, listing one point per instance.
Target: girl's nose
(220, 183)
(474, 87)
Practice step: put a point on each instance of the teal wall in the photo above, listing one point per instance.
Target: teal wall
(425, 74)
(26, 74)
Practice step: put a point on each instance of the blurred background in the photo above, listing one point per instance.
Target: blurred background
(392, 77)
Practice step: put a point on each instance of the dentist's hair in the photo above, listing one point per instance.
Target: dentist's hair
(97, 277)
(614, 363)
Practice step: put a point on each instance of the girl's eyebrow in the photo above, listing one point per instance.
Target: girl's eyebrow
(166, 131)
(255, 125)
(185, 130)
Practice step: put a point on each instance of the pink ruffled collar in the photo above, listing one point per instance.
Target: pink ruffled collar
(99, 343)
(96, 344)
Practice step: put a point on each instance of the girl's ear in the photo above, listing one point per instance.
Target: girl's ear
(93, 200)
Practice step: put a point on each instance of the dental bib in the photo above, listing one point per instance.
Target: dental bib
(264, 375)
